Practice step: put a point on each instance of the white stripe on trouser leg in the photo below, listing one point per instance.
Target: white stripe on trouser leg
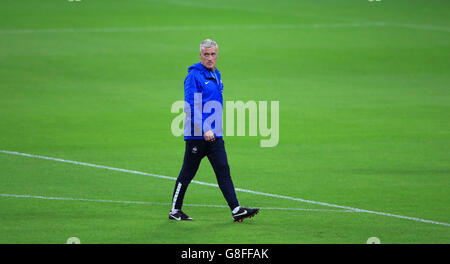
(176, 196)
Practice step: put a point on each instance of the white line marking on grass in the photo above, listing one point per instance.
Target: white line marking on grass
(421, 27)
(237, 189)
(157, 203)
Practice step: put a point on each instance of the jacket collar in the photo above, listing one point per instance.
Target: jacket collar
(208, 74)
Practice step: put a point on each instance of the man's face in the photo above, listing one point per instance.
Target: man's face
(208, 57)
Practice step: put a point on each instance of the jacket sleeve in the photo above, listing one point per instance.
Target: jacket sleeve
(193, 104)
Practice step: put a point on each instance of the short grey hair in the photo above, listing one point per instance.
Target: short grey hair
(208, 43)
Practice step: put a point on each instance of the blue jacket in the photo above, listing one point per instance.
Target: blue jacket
(209, 84)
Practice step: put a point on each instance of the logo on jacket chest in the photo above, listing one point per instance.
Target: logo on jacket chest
(212, 85)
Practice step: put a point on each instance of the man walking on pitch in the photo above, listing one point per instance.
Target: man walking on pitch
(203, 89)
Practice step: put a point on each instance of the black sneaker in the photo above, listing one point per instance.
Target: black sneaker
(179, 216)
(244, 213)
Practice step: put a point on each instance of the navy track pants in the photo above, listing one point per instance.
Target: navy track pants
(196, 150)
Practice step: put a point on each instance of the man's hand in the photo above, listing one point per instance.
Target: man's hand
(209, 136)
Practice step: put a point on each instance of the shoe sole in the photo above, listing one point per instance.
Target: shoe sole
(175, 219)
(248, 216)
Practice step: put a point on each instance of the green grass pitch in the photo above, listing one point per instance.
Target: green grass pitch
(364, 100)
